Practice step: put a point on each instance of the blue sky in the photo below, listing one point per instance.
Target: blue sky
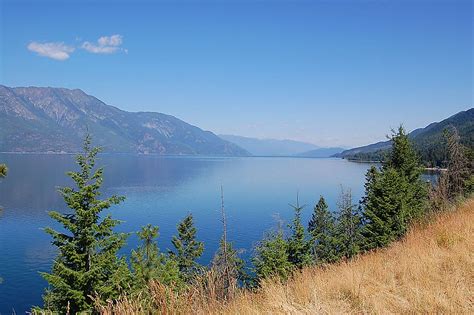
(327, 72)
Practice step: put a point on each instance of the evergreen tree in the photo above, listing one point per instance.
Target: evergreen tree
(349, 225)
(394, 196)
(321, 229)
(227, 267)
(299, 248)
(458, 167)
(3, 170)
(227, 262)
(149, 264)
(188, 249)
(384, 208)
(87, 264)
(469, 183)
(271, 257)
(406, 162)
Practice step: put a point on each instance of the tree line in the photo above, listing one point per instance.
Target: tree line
(431, 150)
(89, 270)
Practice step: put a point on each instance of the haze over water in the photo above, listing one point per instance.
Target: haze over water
(161, 191)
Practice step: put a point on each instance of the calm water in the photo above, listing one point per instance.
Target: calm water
(160, 191)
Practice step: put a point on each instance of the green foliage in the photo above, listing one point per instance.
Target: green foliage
(469, 183)
(87, 264)
(321, 228)
(188, 249)
(299, 248)
(149, 264)
(405, 161)
(394, 196)
(227, 270)
(428, 142)
(348, 227)
(3, 170)
(271, 257)
(228, 261)
(384, 208)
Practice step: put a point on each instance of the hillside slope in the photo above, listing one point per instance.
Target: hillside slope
(36, 119)
(428, 141)
(430, 271)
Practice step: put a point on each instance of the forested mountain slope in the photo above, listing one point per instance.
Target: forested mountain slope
(428, 141)
(36, 119)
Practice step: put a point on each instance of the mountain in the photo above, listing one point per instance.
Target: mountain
(357, 153)
(428, 141)
(37, 119)
(270, 147)
(321, 152)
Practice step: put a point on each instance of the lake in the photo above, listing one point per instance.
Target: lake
(161, 191)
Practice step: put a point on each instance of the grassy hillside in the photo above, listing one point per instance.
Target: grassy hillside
(430, 271)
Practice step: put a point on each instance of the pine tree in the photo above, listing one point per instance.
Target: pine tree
(394, 196)
(188, 249)
(405, 161)
(469, 183)
(149, 264)
(299, 248)
(227, 267)
(271, 257)
(87, 264)
(458, 168)
(348, 228)
(321, 228)
(384, 209)
(3, 170)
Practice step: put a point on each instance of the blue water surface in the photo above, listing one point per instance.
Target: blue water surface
(161, 191)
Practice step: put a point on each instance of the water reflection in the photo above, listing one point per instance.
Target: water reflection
(160, 191)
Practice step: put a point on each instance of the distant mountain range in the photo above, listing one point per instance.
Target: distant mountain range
(37, 119)
(428, 141)
(274, 147)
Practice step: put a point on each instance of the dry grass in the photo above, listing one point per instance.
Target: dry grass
(430, 271)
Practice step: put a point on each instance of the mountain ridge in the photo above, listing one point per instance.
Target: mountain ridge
(277, 147)
(47, 119)
(427, 140)
(269, 147)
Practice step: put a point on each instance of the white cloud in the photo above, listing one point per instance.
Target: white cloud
(114, 40)
(105, 45)
(56, 51)
(95, 49)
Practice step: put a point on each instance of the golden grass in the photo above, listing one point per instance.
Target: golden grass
(430, 271)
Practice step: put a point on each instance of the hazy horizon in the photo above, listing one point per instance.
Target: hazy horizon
(328, 73)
